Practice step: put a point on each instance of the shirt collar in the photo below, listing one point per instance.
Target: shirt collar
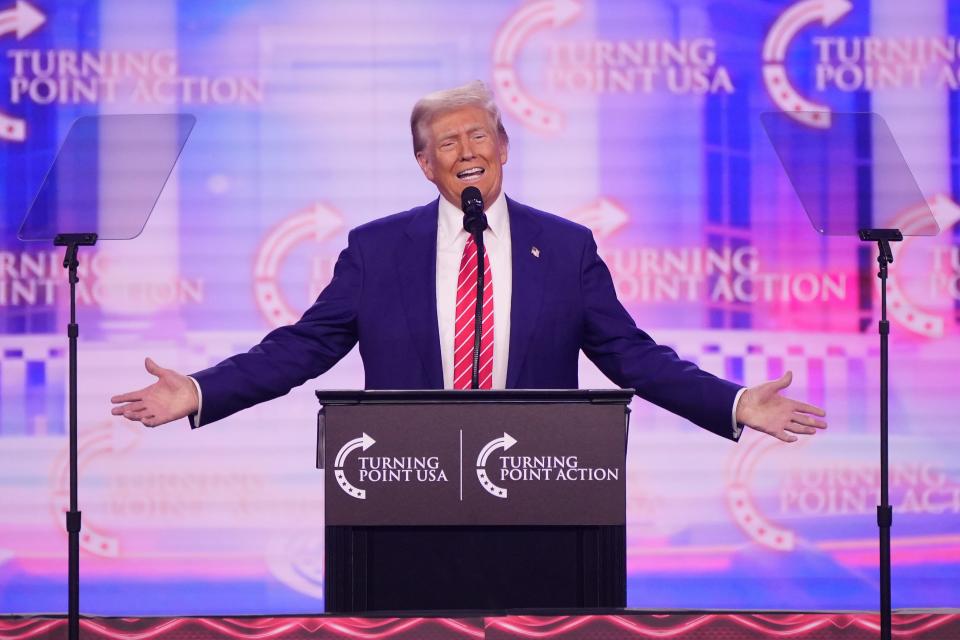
(450, 220)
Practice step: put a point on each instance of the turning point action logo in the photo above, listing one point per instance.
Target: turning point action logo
(534, 468)
(69, 76)
(828, 488)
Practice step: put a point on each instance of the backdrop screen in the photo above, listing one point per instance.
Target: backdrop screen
(641, 120)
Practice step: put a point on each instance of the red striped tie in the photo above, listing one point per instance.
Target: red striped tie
(466, 316)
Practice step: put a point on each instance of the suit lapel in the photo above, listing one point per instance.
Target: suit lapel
(527, 294)
(417, 274)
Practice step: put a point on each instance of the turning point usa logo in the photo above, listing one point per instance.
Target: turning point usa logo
(373, 469)
(687, 66)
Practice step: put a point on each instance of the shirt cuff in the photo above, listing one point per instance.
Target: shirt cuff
(195, 417)
(737, 428)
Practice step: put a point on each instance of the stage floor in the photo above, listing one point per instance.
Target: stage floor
(919, 625)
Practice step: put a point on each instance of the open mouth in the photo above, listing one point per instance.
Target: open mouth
(470, 175)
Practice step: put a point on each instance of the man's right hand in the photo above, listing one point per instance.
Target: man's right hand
(171, 397)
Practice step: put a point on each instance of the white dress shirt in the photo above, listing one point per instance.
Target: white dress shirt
(451, 238)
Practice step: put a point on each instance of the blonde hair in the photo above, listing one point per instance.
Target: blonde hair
(472, 94)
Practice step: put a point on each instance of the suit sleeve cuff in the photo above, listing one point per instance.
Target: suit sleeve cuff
(195, 417)
(737, 428)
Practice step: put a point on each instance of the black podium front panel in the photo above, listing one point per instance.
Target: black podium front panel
(475, 567)
(474, 500)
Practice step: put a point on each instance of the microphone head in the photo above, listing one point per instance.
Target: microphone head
(471, 202)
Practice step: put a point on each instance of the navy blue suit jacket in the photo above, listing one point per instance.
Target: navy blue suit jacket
(383, 295)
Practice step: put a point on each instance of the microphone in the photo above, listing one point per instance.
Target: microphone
(474, 220)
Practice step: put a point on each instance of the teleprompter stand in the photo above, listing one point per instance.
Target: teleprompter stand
(104, 184)
(474, 500)
(883, 238)
(73, 242)
(852, 180)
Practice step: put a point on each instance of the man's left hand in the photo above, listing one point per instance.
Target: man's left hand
(763, 408)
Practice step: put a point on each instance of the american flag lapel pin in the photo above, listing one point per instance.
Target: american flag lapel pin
(535, 252)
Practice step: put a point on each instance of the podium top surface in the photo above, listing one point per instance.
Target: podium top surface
(449, 396)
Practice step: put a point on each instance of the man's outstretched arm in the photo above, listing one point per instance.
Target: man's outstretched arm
(286, 357)
(629, 357)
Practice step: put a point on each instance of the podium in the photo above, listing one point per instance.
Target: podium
(474, 500)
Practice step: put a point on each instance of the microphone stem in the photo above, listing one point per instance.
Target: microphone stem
(478, 319)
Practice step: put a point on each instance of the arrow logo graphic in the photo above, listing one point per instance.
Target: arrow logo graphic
(364, 442)
(740, 502)
(104, 440)
(504, 443)
(787, 26)
(603, 217)
(317, 223)
(915, 223)
(517, 30)
(23, 19)
(794, 19)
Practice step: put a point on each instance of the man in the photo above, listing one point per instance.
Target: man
(401, 289)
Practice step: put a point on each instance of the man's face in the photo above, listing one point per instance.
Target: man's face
(463, 149)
